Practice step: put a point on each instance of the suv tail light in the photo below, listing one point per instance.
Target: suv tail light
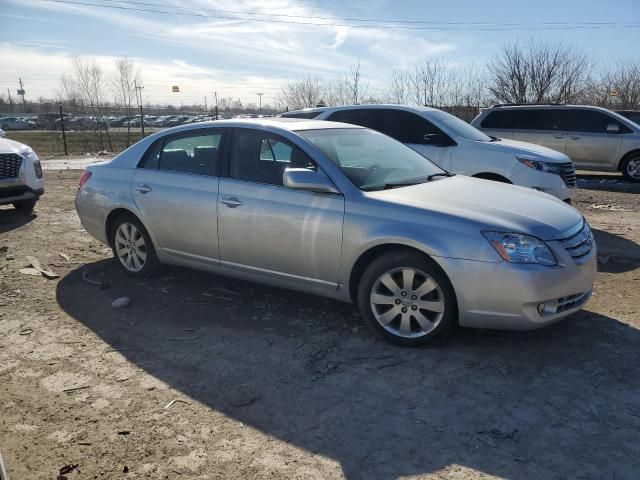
(86, 175)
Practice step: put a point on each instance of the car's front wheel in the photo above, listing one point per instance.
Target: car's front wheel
(407, 299)
(26, 206)
(132, 247)
(631, 168)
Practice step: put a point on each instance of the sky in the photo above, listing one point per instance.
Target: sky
(241, 47)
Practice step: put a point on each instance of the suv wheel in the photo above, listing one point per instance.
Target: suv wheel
(631, 168)
(26, 205)
(132, 247)
(407, 299)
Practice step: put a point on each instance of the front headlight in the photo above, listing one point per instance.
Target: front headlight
(519, 248)
(541, 166)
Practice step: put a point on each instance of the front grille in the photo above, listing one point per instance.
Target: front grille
(9, 165)
(568, 174)
(572, 301)
(580, 245)
(13, 192)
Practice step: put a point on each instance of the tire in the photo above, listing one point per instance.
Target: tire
(394, 312)
(132, 247)
(26, 206)
(630, 168)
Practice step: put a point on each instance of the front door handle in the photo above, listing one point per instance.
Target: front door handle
(231, 202)
(558, 136)
(144, 188)
(575, 137)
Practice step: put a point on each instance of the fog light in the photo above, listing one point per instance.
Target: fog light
(548, 308)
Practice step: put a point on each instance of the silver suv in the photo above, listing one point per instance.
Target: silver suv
(594, 138)
(345, 212)
(21, 182)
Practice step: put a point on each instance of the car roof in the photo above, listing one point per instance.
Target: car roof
(291, 124)
(386, 106)
(529, 106)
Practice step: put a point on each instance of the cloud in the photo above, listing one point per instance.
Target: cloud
(221, 53)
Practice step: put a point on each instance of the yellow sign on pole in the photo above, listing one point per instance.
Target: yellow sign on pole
(175, 89)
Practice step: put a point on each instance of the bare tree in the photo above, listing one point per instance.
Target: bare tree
(538, 72)
(399, 87)
(304, 93)
(124, 83)
(624, 85)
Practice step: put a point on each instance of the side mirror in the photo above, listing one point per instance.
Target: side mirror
(305, 179)
(437, 140)
(613, 128)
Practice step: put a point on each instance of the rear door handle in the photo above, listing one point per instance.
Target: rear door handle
(144, 188)
(575, 137)
(558, 136)
(231, 202)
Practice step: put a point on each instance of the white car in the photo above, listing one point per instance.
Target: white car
(21, 182)
(456, 146)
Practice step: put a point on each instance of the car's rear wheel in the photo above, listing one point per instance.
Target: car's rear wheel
(25, 205)
(631, 168)
(407, 299)
(132, 247)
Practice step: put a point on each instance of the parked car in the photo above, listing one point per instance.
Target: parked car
(161, 121)
(21, 182)
(345, 212)
(595, 138)
(633, 115)
(16, 123)
(456, 146)
(176, 120)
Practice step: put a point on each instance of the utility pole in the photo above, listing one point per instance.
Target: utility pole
(215, 94)
(260, 103)
(10, 103)
(64, 135)
(139, 98)
(206, 109)
(21, 93)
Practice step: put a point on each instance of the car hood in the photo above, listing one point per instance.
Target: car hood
(529, 150)
(488, 205)
(11, 146)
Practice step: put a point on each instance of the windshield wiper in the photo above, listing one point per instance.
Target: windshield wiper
(440, 174)
(495, 139)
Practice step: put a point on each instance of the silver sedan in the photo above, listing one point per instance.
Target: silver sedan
(344, 212)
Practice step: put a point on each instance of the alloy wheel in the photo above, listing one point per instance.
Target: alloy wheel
(633, 168)
(130, 247)
(407, 302)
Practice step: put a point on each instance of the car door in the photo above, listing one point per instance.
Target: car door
(267, 228)
(589, 144)
(540, 126)
(176, 190)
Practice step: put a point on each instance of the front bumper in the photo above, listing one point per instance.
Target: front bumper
(544, 182)
(508, 296)
(18, 194)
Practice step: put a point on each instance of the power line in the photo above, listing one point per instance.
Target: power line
(355, 19)
(402, 27)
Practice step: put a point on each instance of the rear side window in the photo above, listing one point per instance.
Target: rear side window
(589, 121)
(365, 117)
(500, 119)
(262, 157)
(537, 119)
(303, 114)
(195, 154)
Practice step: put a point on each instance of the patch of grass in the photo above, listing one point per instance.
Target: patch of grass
(78, 142)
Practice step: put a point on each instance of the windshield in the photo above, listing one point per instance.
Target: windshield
(370, 159)
(459, 127)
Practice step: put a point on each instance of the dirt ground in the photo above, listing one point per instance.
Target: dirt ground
(203, 377)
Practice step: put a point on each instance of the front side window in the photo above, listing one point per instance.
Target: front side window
(195, 154)
(589, 121)
(370, 159)
(407, 127)
(262, 157)
(459, 127)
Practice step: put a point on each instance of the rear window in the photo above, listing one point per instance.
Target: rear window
(302, 114)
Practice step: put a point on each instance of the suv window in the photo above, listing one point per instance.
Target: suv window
(195, 154)
(536, 119)
(262, 157)
(406, 127)
(500, 119)
(589, 121)
(303, 114)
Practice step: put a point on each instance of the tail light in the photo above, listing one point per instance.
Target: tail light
(86, 175)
